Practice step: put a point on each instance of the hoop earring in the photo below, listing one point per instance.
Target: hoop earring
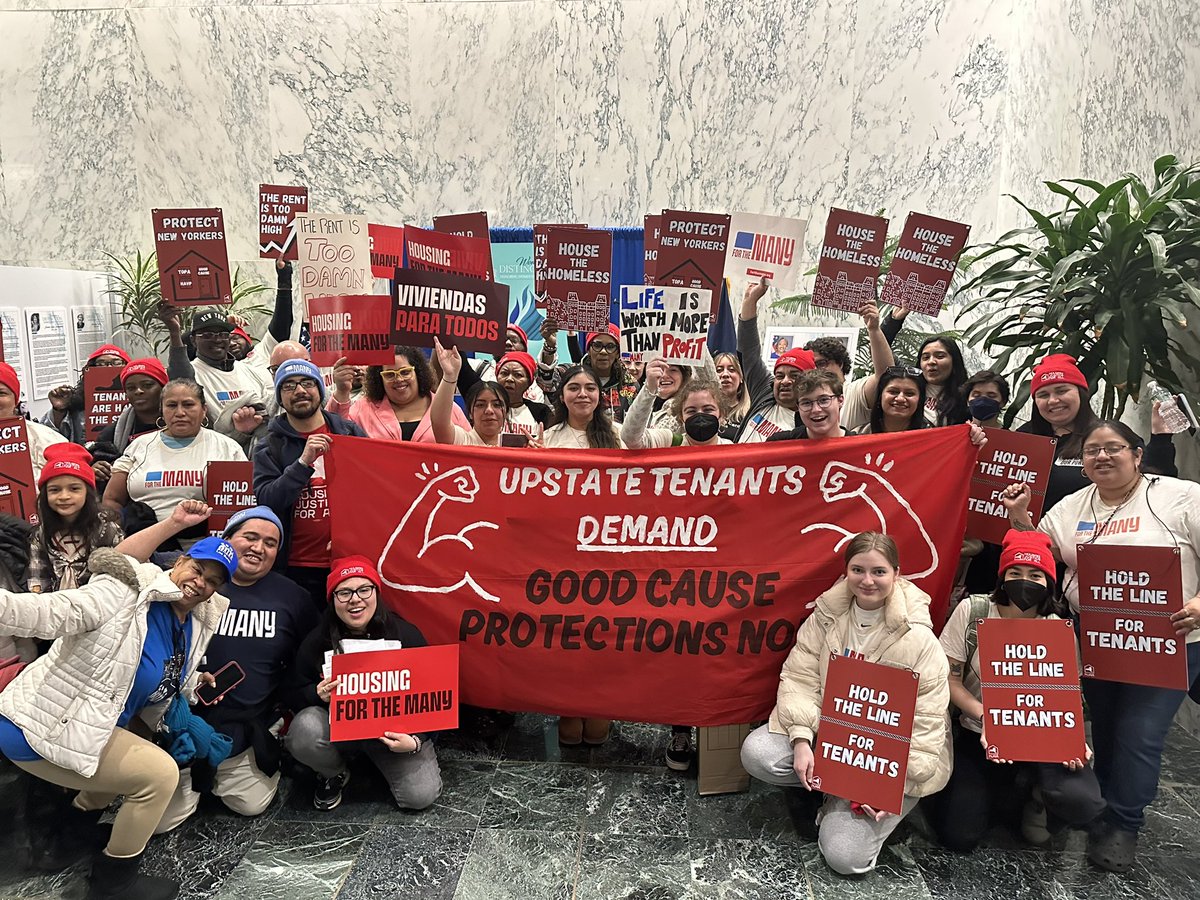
(161, 423)
(207, 423)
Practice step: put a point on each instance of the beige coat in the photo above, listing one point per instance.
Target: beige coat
(67, 702)
(908, 641)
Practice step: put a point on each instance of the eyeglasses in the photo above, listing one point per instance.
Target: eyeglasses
(396, 374)
(792, 376)
(603, 348)
(821, 402)
(111, 362)
(289, 387)
(903, 372)
(1107, 449)
(362, 592)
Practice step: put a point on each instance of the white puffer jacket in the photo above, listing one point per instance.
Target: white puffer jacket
(67, 703)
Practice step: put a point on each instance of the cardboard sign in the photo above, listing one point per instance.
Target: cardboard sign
(355, 326)
(861, 746)
(691, 251)
(643, 317)
(1008, 457)
(540, 243)
(850, 260)
(765, 247)
(193, 266)
(924, 262)
(228, 488)
(1126, 598)
(666, 322)
(103, 399)
(401, 691)
(1032, 708)
(651, 240)
(578, 277)
(334, 254)
(386, 244)
(472, 225)
(278, 205)
(433, 251)
(467, 313)
(18, 490)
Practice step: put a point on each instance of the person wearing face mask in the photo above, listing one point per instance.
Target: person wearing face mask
(486, 401)
(1063, 795)
(696, 404)
(772, 398)
(986, 394)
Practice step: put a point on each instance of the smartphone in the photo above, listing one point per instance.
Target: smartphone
(228, 677)
(514, 440)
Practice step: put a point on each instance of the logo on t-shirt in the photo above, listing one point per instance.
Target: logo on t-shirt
(175, 478)
(225, 396)
(761, 425)
(1090, 530)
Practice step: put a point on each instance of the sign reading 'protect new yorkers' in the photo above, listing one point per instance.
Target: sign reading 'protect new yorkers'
(193, 266)
(691, 251)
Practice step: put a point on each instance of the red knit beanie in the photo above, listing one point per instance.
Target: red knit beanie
(524, 360)
(797, 359)
(1027, 548)
(1057, 368)
(521, 331)
(67, 459)
(151, 368)
(612, 329)
(350, 567)
(8, 378)
(108, 350)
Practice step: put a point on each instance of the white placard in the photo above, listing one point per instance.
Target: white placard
(49, 349)
(13, 326)
(90, 330)
(782, 338)
(765, 245)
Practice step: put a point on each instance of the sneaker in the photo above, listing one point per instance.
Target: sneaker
(1033, 820)
(328, 794)
(1113, 849)
(679, 751)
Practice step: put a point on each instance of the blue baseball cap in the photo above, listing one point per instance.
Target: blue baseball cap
(302, 367)
(218, 550)
(242, 516)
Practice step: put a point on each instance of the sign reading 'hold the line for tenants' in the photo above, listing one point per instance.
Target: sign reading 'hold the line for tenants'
(193, 266)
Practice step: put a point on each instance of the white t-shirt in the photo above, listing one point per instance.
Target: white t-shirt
(40, 437)
(762, 425)
(222, 388)
(855, 412)
(161, 476)
(470, 438)
(1083, 518)
(862, 630)
(563, 436)
(521, 421)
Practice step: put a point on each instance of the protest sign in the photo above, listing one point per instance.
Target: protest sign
(765, 247)
(691, 251)
(193, 265)
(540, 243)
(860, 752)
(513, 264)
(924, 262)
(433, 251)
(651, 240)
(228, 487)
(472, 225)
(103, 399)
(578, 277)
(400, 691)
(468, 313)
(18, 490)
(91, 331)
(278, 205)
(335, 255)
(643, 317)
(666, 322)
(850, 260)
(1126, 598)
(49, 348)
(1008, 457)
(355, 326)
(654, 563)
(386, 244)
(1032, 708)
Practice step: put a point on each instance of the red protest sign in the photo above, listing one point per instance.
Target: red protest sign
(472, 225)
(228, 487)
(277, 208)
(387, 249)
(467, 313)
(850, 260)
(1032, 708)
(924, 261)
(540, 242)
(691, 251)
(657, 565)
(103, 399)
(1008, 457)
(433, 251)
(1126, 598)
(651, 237)
(355, 326)
(193, 267)
(401, 691)
(578, 277)
(861, 748)
(18, 490)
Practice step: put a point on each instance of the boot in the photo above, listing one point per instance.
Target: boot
(570, 731)
(596, 731)
(63, 835)
(114, 877)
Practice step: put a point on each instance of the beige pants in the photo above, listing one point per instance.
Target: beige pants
(242, 787)
(145, 774)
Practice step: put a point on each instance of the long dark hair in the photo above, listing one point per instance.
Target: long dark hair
(88, 524)
(951, 409)
(600, 433)
(1053, 605)
(373, 384)
(895, 374)
(1070, 446)
(478, 388)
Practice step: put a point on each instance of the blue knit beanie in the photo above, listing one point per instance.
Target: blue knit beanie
(299, 367)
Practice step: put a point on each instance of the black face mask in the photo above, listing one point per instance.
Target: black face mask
(702, 427)
(984, 408)
(1024, 595)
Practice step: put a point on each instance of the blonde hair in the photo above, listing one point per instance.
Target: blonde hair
(741, 405)
(698, 385)
(873, 540)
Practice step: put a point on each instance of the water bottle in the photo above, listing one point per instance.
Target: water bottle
(1169, 407)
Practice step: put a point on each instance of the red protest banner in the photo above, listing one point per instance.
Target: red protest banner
(228, 487)
(18, 490)
(1126, 598)
(578, 277)
(697, 566)
(691, 251)
(193, 266)
(924, 261)
(540, 243)
(403, 691)
(103, 399)
(1008, 457)
(387, 249)
(1032, 708)
(355, 326)
(651, 239)
(861, 748)
(472, 225)
(433, 251)
(850, 260)
(277, 208)
(467, 313)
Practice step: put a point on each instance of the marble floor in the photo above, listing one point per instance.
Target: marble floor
(522, 818)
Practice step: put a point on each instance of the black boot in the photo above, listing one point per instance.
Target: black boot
(118, 877)
(64, 834)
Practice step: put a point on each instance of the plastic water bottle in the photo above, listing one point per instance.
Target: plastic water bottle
(1173, 408)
